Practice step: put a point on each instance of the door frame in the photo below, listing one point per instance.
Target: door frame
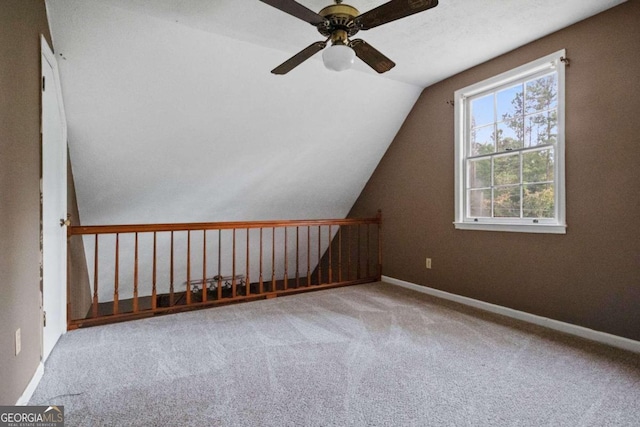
(60, 309)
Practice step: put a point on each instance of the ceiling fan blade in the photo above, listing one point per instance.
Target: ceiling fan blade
(299, 58)
(390, 11)
(371, 56)
(296, 9)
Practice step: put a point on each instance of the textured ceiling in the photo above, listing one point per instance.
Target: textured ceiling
(427, 47)
(173, 115)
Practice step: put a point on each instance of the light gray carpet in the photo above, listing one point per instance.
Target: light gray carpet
(366, 355)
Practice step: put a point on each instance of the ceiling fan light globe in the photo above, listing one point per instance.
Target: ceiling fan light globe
(338, 57)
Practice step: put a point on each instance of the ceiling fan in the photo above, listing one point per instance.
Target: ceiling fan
(338, 22)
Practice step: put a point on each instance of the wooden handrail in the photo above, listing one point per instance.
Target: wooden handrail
(146, 228)
(141, 279)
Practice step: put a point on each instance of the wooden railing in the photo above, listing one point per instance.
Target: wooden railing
(143, 270)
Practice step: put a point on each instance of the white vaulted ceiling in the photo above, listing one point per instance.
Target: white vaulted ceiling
(173, 115)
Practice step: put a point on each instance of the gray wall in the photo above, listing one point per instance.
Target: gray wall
(591, 275)
(21, 23)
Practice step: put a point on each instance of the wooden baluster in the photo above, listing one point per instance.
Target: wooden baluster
(188, 290)
(95, 279)
(368, 251)
(261, 283)
(273, 259)
(116, 281)
(308, 255)
(330, 257)
(379, 245)
(340, 254)
(135, 278)
(171, 296)
(204, 265)
(233, 266)
(319, 255)
(247, 279)
(359, 247)
(154, 303)
(297, 257)
(286, 266)
(219, 264)
(349, 253)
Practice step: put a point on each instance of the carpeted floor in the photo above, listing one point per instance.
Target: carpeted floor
(366, 355)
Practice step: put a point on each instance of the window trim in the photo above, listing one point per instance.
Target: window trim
(555, 225)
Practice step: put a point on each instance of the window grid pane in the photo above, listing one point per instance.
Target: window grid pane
(507, 201)
(479, 173)
(482, 140)
(538, 201)
(480, 203)
(538, 166)
(506, 169)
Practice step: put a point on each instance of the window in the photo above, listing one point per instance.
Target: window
(510, 150)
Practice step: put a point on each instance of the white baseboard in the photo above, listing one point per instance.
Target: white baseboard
(580, 331)
(31, 387)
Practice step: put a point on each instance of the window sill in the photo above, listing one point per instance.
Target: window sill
(516, 228)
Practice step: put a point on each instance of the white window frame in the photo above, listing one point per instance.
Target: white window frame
(555, 225)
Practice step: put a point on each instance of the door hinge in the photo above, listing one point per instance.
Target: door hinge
(44, 318)
(43, 84)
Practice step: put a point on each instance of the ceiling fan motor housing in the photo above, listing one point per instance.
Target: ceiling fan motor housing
(339, 24)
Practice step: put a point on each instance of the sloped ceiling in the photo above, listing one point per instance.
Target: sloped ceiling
(173, 115)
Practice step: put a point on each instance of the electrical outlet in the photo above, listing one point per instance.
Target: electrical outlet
(429, 263)
(18, 342)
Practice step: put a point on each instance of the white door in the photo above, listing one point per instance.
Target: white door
(54, 204)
